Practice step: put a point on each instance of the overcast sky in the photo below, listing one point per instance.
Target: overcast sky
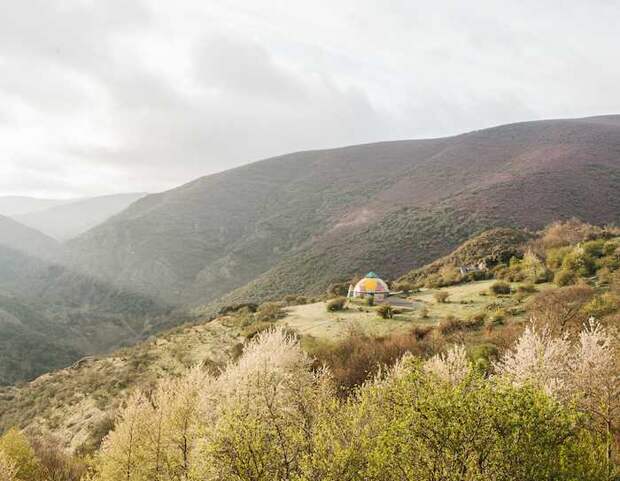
(104, 96)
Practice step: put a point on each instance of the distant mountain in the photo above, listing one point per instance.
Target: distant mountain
(26, 239)
(17, 205)
(51, 315)
(70, 219)
(300, 221)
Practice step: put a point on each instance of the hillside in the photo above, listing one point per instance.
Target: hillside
(70, 219)
(26, 239)
(300, 221)
(77, 404)
(50, 315)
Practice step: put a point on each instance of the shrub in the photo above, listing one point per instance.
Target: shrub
(338, 289)
(500, 288)
(420, 332)
(450, 325)
(370, 301)
(360, 356)
(564, 278)
(441, 296)
(497, 317)
(602, 305)
(579, 262)
(270, 311)
(336, 304)
(527, 288)
(385, 311)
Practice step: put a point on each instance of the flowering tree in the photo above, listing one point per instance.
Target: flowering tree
(452, 367)
(539, 359)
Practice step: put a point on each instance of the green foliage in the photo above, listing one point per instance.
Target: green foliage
(336, 304)
(602, 305)
(386, 311)
(564, 278)
(500, 288)
(17, 448)
(475, 430)
(370, 301)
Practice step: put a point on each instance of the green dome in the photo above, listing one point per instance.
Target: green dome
(371, 275)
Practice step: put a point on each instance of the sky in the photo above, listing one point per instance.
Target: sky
(107, 96)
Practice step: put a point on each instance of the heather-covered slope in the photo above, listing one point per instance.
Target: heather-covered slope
(299, 221)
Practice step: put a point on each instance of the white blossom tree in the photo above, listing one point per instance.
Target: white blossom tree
(539, 359)
(452, 367)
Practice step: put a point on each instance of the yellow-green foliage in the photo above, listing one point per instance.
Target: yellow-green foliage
(18, 451)
(602, 305)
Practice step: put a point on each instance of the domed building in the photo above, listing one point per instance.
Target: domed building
(370, 286)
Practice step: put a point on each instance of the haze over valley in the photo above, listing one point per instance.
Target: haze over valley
(336, 241)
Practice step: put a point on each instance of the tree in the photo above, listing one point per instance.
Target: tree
(409, 425)
(595, 377)
(17, 449)
(539, 359)
(452, 366)
(262, 412)
(8, 468)
(561, 310)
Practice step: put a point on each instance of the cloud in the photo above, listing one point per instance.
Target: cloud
(99, 97)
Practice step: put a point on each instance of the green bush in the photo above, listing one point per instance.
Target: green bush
(336, 304)
(527, 288)
(564, 278)
(370, 301)
(386, 311)
(497, 317)
(579, 262)
(500, 288)
(602, 305)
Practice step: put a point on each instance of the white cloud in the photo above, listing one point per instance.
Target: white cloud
(97, 97)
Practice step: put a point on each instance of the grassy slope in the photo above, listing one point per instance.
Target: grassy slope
(77, 402)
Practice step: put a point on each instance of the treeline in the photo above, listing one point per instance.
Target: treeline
(549, 412)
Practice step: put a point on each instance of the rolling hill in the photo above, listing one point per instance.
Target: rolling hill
(300, 221)
(26, 239)
(70, 219)
(11, 205)
(50, 315)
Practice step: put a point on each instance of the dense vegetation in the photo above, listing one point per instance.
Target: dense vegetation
(492, 377)
(548, 413)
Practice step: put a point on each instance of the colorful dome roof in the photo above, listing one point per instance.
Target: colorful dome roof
(371, 284)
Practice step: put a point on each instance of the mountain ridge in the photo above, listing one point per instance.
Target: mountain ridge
(216, 234)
